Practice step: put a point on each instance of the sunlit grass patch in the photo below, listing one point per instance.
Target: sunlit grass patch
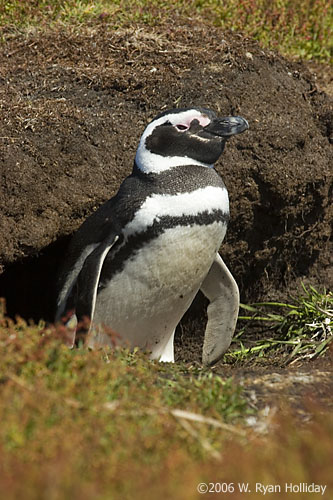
(47, 388)
(35, 358)
(301, 329)
(82, 421)
(301, 28)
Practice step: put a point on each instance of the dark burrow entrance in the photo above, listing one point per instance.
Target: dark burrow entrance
(29, 285)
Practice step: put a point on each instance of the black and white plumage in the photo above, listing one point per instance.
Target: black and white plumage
(136, 264)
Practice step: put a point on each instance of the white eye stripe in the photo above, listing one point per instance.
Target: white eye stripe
(151, 162)
(185, 118)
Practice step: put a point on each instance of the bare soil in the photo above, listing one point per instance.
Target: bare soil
(72, 108)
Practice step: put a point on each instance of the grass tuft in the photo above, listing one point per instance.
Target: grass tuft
(301, 329)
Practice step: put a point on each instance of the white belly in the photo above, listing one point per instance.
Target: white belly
(146, 300)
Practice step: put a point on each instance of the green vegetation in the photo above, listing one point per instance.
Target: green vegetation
(39, 359)
(302, 329)
(301, 28)
(298, 28)
(101, 417)
(107, 424)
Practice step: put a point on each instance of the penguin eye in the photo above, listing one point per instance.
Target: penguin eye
(182, 127)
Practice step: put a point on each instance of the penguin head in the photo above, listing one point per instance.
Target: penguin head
(191, 136)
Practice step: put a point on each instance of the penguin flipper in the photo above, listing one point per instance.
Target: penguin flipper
(87, 284)
(222, 291)
(67, 281)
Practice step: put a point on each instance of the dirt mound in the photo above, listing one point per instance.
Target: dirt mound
(73, 106)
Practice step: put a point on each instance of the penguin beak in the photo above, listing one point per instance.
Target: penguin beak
(227, 126)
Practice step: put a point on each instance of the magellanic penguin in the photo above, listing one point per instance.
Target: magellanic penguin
(136, 264)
